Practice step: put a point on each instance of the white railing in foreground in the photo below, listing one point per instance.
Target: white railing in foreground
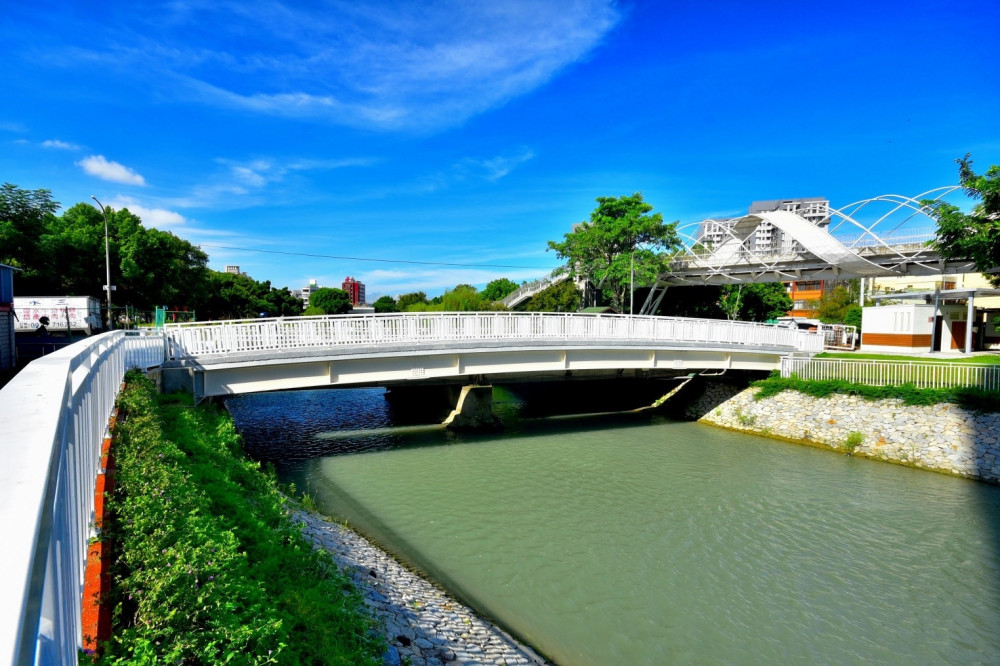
(53, 416)
(894, 373)
(262, 335)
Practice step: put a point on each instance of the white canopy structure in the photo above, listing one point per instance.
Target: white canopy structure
(882, 236)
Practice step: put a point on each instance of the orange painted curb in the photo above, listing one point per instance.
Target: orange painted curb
(96, 611)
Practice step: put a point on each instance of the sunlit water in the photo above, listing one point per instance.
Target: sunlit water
(636, 540)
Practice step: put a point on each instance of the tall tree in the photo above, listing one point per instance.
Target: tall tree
(385, 304)
(976, 235)
(406, 301)
(562, 297)
(331, 300)
(622, 243)
(24, 215)
(499, 289)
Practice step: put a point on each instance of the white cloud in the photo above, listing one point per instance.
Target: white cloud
(159, 218)
(416, 66)
(98, 165)
(60, 145)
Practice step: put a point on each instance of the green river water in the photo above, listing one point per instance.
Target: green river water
(632, 539)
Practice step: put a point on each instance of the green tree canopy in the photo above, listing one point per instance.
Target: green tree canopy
(331, 300)
(620, 240)
(976, 235)
(406, 301)
(23, 218)
(385, 304)
(499, 289)
(835, 304)
(755, 301)
(562, 297)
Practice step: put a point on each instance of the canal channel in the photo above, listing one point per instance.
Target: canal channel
(633, 538)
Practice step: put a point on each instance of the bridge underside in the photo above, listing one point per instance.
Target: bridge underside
(225, 377)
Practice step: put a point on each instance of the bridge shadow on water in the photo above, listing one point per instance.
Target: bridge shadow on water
(290, 428)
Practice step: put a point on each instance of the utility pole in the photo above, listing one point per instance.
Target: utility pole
(107, 261)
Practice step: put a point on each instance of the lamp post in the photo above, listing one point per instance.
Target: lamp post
(107, 261)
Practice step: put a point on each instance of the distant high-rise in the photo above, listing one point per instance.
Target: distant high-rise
(766, 239)
(306, 291)
(355, 290)
(235, 270)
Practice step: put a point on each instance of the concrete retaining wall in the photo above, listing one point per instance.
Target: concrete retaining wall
(944, 437)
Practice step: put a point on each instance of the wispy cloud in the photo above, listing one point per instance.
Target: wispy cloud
(59, 145)
(243, 183)
(98, 165)
(9, 126)
(416, 66)
(159, 218)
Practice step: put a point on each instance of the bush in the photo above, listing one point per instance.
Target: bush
(976, 399)
(210, 568)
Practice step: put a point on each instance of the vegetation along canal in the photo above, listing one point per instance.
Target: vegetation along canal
(634, 539)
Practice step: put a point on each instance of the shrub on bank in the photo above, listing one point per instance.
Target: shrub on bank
(970, 398)
(209, 567)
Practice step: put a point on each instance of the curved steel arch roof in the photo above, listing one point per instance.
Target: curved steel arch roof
(850, 242)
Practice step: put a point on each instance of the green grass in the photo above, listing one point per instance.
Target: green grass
(983, 359)
(210, 569)
(976, 399)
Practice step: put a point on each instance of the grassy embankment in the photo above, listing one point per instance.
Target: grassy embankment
(970, 398)
(979, 359)
(209, 568)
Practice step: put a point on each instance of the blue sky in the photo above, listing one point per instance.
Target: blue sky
(467, 134)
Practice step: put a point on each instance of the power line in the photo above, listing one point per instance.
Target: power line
(384, 261)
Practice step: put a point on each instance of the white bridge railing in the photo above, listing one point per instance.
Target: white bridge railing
(263, 335)
(53, 417)
(894, 373)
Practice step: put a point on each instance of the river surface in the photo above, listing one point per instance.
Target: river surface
(632, 539)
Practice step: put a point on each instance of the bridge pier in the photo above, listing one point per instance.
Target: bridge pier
(474, 410)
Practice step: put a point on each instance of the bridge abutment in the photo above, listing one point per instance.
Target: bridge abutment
(474, 410)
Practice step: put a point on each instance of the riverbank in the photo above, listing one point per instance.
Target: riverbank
(943, 437)
(423, 625)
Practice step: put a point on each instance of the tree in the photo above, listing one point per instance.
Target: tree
(974, 236)
(385, 304)
(330, 300)
(834, 305)
(23, 217)
(620, 241)
(701, 301)
(763, 301)
(562, 297)
(499, 289)
(407, 300)
(755, 301)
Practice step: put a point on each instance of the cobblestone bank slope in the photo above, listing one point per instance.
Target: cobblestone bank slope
(424, 626)
(944, 437)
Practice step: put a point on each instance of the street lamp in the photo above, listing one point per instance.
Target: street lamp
(107, 261)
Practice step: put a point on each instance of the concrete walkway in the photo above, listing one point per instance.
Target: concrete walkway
(424, 626)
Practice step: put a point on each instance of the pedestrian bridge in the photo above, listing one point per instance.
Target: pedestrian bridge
(231, 357)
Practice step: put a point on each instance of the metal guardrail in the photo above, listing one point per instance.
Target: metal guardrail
(895, 373)
(262, 335)
(53, 416)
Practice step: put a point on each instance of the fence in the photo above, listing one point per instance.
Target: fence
(262, 335)
(895, 373)
(53, 415)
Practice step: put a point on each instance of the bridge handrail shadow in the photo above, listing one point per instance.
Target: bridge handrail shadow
(189, 340)
(54, 415)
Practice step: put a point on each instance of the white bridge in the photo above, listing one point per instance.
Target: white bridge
(233, 357)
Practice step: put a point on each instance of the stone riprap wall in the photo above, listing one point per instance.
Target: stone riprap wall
(944, 437)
